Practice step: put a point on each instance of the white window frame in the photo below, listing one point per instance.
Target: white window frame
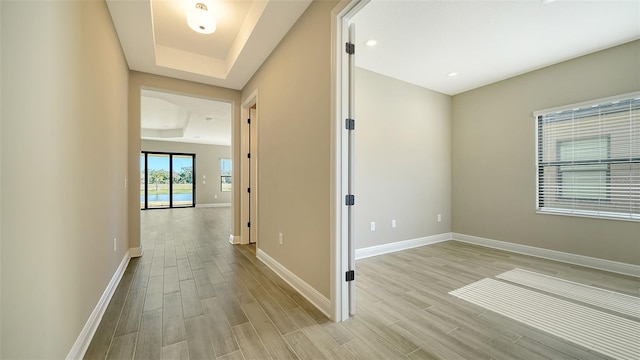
(605, 168)
(568, 210)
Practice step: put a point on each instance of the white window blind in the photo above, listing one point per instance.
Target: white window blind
(588, 159)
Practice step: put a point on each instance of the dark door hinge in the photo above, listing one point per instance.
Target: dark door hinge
(249, 190)
(249, 156)
(248, 121)
(248, 224)
(350, 275)
(350, 48)
(350, 200)
(350, 124)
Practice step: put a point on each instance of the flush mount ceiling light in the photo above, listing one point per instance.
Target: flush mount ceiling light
(201, 20)
(371, 42)
(452, 74)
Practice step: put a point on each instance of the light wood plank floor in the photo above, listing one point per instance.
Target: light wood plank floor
(194, 296)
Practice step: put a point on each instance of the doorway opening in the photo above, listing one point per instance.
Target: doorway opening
(249, 170)
(180, 133)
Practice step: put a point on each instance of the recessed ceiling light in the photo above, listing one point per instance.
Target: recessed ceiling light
(371, 42)
(452, 74)
(547, 1)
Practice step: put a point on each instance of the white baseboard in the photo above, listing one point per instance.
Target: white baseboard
(234, 239)
(213, 205)
(314, 296)
(401, 245)
(136, 252)
(86, 335)
(602, 264)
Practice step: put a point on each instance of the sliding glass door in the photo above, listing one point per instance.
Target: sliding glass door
(157, 180)
(159, 189)
(182, 187)
(143, 181)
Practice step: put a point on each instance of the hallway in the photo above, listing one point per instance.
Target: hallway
(195, 296)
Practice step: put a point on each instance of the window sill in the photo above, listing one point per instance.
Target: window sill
(590, 214)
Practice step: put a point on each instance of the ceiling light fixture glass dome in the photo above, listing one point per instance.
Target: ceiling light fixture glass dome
(201, 20)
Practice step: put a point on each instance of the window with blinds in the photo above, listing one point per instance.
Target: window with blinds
(588, 159)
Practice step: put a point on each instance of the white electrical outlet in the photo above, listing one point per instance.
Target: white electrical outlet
(373, 226)
(115, 242)
(393, 223)
(125, 183)
(439, 217)
(203, 182)
(280, 238)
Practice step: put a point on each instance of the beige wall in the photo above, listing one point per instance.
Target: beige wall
(294, 112)
(207, 164)
(64, 164)
(494, 174)
(0, 180)
(138, 81)
(402, 160)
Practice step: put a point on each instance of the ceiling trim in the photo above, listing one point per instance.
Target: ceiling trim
(262, 29)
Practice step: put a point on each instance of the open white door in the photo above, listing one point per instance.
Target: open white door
(343, 246)
(350, 127)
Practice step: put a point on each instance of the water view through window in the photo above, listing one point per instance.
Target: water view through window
(158, 189)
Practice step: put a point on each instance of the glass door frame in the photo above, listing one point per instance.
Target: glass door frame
(145, 154)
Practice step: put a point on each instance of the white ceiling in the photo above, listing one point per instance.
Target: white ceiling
(178, 118)
(421, 42)
(155, 37)
(170, 28)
